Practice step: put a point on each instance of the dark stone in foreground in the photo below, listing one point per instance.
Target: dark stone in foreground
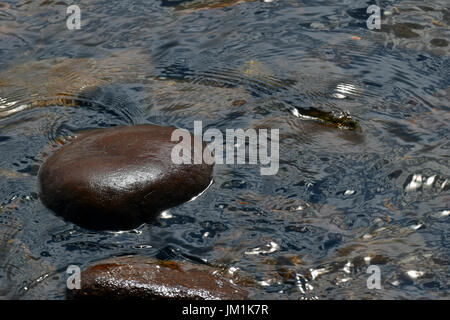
(119, 178)
(137, 277)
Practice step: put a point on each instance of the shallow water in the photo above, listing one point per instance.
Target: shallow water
(342, 200)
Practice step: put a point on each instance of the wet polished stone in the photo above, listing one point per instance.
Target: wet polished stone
(119, 178)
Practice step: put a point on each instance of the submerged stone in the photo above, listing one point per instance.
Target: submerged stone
(403, 30)
(439, 42)
(138, 277)
(61, 81)
(119, 178)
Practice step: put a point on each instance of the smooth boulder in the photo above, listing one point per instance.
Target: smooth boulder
(118, 178)
(142, 278)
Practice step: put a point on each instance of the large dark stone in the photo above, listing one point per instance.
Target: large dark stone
(118, 178)
(137, 277)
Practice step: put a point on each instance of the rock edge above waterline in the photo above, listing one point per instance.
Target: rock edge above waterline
(138, 277)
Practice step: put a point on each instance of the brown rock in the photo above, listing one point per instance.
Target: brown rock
(119, 178)
(137, 277)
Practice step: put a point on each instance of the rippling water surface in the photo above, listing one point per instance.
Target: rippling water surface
(373, 189)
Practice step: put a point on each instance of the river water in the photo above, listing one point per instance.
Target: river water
(345, 197)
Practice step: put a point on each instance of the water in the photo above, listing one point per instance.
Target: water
(346, 196)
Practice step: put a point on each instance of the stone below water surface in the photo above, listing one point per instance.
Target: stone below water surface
(119, 178)
(137, 277)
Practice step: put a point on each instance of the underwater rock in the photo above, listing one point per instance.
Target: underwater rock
(439, 42)
(199, 100)
(403, 30)
(137, 277)
(64, 82)
(120, 177)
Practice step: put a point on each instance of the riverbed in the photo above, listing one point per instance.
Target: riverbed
(363, 119)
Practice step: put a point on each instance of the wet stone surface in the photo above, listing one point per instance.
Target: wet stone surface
(138, 277)
(118, 178)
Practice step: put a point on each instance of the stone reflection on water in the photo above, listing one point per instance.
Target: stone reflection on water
(364, 125)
